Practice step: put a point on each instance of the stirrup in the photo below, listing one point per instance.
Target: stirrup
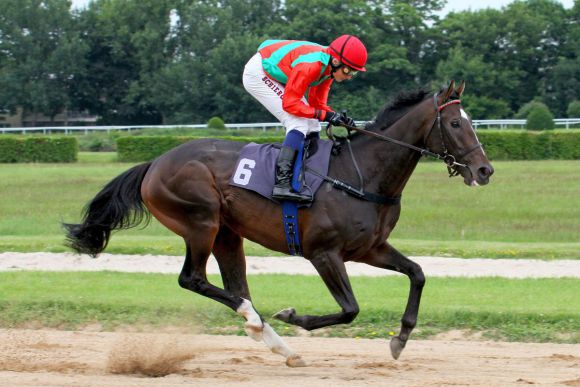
(283, 193)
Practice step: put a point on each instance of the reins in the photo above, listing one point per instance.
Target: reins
(449, 160)
(423, 151)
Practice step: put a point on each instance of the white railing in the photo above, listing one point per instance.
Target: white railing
(477, 124)
(567, 122)
(504, 124)
(70, 129)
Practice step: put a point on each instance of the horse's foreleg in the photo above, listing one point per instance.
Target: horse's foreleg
(229, 253)
(387, 257)
(333, 272)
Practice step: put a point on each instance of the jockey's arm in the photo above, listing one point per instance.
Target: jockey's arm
(298, 82)
(318, 95)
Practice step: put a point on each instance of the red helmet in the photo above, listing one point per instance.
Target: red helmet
(349, 50)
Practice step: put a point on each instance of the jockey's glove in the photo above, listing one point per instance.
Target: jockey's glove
(339, 119)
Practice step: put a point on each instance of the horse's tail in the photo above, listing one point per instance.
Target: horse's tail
(117, 206)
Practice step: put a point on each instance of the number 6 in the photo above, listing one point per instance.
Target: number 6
(244, 171)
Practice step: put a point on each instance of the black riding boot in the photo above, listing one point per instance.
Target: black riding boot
(284, 170)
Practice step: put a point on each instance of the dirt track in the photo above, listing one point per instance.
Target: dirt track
(58, 358)
(61, 358)
(432, 266)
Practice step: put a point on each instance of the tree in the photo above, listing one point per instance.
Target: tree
(409, 23)
(226, 62)
(41, 56)
(573, 110)
(485, 108)
(563, 85)
(176, 61)
(525, 109)
(322, 21)
(523, 42)
(540, 118)
(363, 105)
(212, 41)
(216, 123)
(394, 32)
(482, 102)
(128, 47)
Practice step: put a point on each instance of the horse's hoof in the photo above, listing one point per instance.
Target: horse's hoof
(397, 346)
(255, 332)
(295, 361)
(285, 315)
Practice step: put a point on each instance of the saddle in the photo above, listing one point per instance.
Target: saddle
(255, 168)
(255, 171)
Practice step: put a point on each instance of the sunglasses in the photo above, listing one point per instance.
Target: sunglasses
(348, 71)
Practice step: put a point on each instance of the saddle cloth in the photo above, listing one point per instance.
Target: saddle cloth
(256, 168)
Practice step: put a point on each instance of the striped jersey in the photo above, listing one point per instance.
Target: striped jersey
(304, 69)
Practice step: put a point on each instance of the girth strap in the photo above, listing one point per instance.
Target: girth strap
(290, 220)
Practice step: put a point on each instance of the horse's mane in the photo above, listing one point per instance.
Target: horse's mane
(396, 108)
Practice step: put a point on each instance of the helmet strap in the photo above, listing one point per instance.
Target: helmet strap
(334, 67)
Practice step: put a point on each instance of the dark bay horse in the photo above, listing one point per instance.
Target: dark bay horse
(187, 190)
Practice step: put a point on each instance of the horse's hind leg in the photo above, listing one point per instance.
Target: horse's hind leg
(229, 253)
(188, 204)
(387, 257)
(193, 274)
(232, 266)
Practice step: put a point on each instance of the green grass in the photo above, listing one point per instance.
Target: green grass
(535, 310)
(529, 201)
(97, 157)
(530, 210)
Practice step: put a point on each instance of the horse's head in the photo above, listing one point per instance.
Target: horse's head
(453, 137)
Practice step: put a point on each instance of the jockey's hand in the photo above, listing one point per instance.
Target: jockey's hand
(336, 119)
(346, 120)
(333, 118)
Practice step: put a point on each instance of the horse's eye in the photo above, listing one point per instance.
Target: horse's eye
(456, 123)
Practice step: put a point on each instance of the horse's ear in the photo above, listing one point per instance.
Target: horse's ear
(449, 91)
(461, 88)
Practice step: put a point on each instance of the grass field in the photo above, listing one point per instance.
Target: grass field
(531, 209)
(535, 310)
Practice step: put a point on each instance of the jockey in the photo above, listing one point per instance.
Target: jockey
(292, 80)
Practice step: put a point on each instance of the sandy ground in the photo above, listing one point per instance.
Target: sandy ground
(59, 358)
(63, 358)
(432, 266)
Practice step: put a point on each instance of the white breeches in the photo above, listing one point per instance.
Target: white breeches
(270, 93)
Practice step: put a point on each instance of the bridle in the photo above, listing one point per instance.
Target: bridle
(449, 159)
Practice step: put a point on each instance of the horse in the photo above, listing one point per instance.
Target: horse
(187, 190)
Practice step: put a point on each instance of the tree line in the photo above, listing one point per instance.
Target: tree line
(180, 61)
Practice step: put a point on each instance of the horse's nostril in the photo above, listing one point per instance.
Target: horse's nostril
(485, 172)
